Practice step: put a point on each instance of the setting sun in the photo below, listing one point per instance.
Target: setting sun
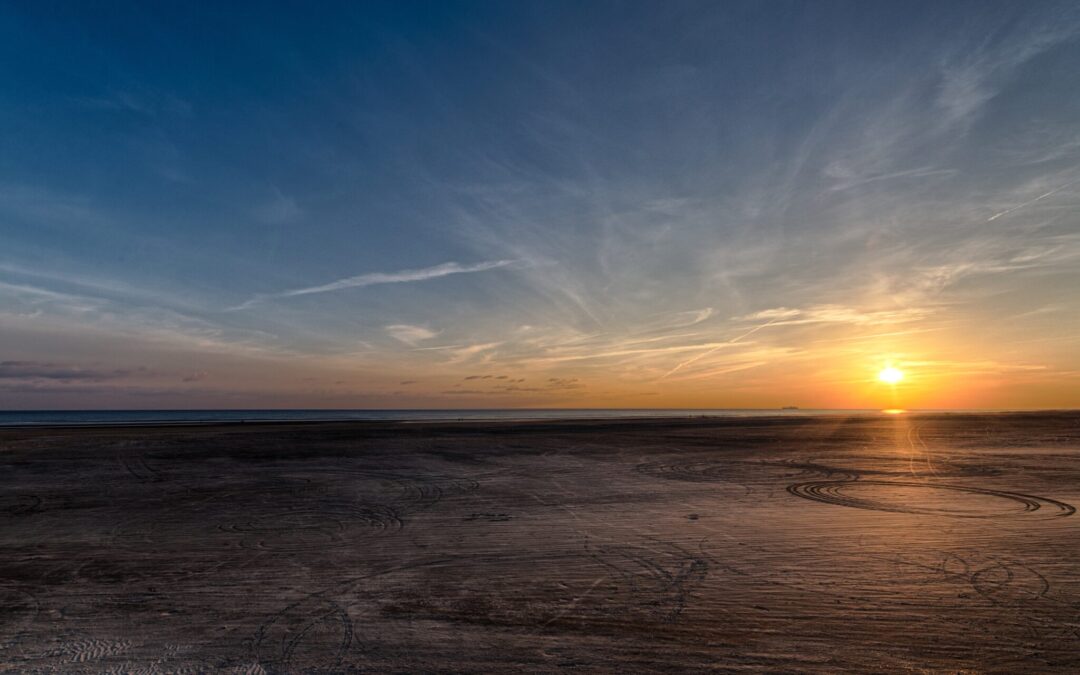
(890, 375)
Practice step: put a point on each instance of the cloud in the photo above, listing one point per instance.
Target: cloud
(715, 348)
(690, 318)
(122, 309)
(278, 210)
(143, 102)
(195, 377)
(1031, 201)
(408, 334)
(722, 370)
(506, 385)
(783, 316)
(379, 278)
(59, 372)
(35, 296)
(770, 314)
(470, 352)
(976, 76)
(846, 181)
(960, 367)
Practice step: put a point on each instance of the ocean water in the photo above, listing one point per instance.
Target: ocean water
(94, 417)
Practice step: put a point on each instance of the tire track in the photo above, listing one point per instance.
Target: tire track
(310, 524)
(406, 490)
(837, 493)
(739, 472)
(661, 584)
(18, 609)
(425, 492)
(312, 529)
(20, 505)
(317, 633)
(310, 635)
(1007, 583)
(1004, 582)
(135, 464)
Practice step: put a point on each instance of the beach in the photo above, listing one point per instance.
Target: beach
(872, 543)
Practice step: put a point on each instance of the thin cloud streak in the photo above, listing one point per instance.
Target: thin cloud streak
(1056, 190)
(379, 278)
(717, 347)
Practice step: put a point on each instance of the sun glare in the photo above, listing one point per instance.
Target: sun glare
(890, 375)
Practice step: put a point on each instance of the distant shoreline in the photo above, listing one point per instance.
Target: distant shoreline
(44, 420)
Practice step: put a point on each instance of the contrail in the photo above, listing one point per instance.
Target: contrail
(1032, 201)
(720, 346)
(378, 278)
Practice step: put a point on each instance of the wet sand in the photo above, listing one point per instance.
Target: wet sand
(869, 544)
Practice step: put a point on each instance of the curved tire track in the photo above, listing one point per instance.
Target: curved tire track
(20, 505)
(311, 635)
(836, 493)
(662, 583)
(314, 528)
(18, 609)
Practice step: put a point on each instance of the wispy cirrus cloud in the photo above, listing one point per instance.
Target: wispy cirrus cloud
(141, 101)
(379, 278)
(846, 182)
(784, 316)
(410, 335)
(59, 372)
(974, 76)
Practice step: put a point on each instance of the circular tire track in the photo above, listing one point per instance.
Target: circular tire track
(703, 471)
(316, 633)
(1009, 583)
(748, 472)
(838, 493)
(135, 464)
(815, 469)
(309, 526)
(20, 505)
(312, 635)
(18, 609)
(314, 528)
(695, 472)
(871, 466)
(425, 491)
(660, 582)
(407, 490)
(737, 471)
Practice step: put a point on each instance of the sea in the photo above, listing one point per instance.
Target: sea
(107, 417)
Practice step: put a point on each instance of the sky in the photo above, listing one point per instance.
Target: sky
(539, 204)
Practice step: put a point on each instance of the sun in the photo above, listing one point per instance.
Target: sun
(890, 375)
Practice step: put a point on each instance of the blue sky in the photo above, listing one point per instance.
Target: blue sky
(538, 204)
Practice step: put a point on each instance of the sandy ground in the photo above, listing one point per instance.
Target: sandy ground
(870, 544)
